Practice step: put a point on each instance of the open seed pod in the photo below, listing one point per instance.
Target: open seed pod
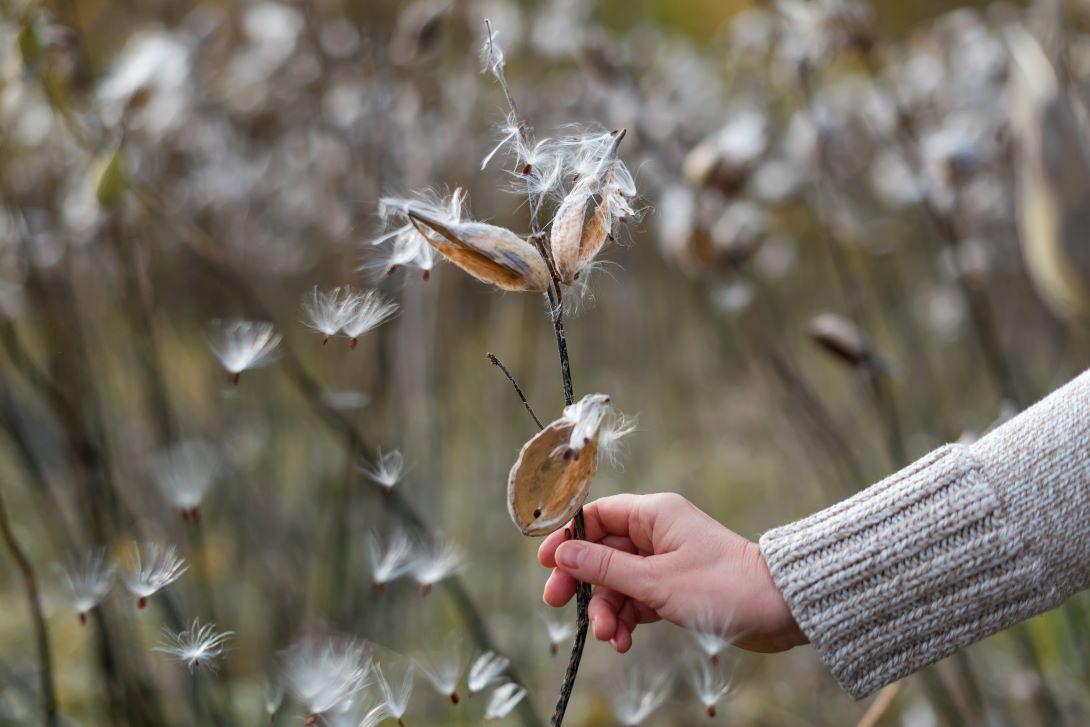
(841, 338)
(584, 220)
(550, 481)
(491, 254)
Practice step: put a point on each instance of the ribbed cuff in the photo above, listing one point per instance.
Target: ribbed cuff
(904, 572)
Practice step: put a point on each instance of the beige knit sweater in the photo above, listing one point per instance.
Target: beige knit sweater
(958, 545)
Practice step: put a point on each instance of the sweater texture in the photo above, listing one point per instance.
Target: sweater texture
(962, 543)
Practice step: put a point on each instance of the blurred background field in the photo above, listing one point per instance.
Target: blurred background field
(826, 281)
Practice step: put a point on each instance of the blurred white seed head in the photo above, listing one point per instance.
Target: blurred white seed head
(274, 696)
(436, 562)
(88, 581)
(243, 345)
(444, 670)
(328, 311)
(393, 560)
(386, 470)
(354, 712)
(369, 311)
(196, 647)
(486, 670)
(504, 699)
(395, 692)
(711, 633)
(184, 473)
(151, 567)
(559, 630)
(640, 695)
(323, 673)
(709, 684)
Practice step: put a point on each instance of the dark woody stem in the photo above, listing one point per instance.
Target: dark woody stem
(556, 311)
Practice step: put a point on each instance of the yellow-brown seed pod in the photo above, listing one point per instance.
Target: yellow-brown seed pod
(491, 254)
(550, 481)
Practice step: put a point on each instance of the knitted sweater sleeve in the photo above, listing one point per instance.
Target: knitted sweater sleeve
(964, 542)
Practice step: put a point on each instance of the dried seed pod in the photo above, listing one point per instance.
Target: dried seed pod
(549, 481)
(566, 238)
(584, 221)
(491, 254)
(1053, 170)
(841, 338)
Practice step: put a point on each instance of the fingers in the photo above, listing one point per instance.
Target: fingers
(603, 517)
(626, 625)
(602, 565)
(605, 603)
(559, 588)
(546, 552)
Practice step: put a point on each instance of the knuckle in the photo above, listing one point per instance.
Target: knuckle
(670, 500)
(605, 565)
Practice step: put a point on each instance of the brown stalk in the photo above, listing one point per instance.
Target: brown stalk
(556, 310)
(41, 630)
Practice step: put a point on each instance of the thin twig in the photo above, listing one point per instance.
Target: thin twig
(881, 704)
(518, 389)
(41, 630)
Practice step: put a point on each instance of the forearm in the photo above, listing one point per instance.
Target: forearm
(962, 543)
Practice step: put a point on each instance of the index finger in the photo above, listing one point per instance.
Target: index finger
(604, 517)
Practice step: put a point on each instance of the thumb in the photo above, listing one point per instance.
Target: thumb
(602, 565)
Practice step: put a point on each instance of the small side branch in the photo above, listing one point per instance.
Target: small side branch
(518, 389)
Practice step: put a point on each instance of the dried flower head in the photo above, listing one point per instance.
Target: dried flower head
(386, 470)
(152, 567)
(393, 561)
(88, 580)
(486, 670)
(504, 699)
(197, 646)
(323, 673)
(243, 345)
(434, 563)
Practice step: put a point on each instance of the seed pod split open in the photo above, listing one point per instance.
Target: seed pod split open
(491, 254)
(584, 220)
(549, 481)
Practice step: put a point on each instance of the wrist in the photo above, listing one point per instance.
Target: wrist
(783, 630)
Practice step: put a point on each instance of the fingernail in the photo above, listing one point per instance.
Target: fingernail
(571, 555)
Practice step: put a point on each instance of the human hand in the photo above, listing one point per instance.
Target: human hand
(654, 557)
